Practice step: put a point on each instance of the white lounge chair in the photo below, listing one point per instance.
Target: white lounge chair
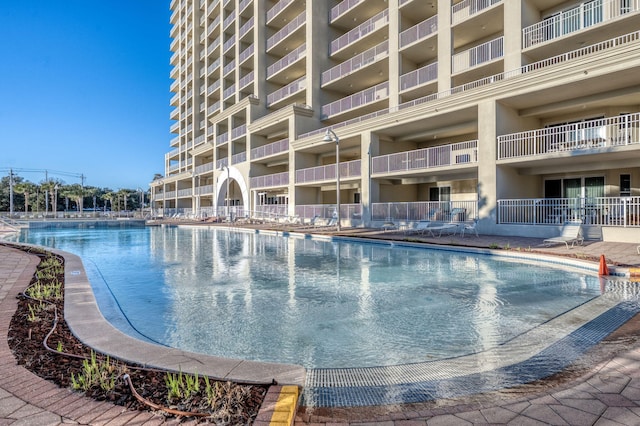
(450, 228)
(571, 233)
(417, 228)
(470, 227)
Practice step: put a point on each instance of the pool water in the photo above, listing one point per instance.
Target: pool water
(316, 303)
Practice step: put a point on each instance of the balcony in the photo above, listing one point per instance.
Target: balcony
(368, 57)
(215, 65)
(175, 127)
(287, 91)
(419, 32)
(238, 132)
(229, 67)
(598, 134)
(223, 162)
(212, 26)
(270, 181)
(289, 59)
(277, 8)
(478, 55)
(246, 27)
(245, 54)
(213, 87)
(419, 77)
(270, 149)
(238, 158)
(462, 153)
(229, 43)
(213, 109)
(204, 168)
(229, 91)
(222, 138)
(229, 20)
(348, 170)
(246, 80)
(289, 29)
(468, 8)
(342, 8)
(371, 25)
(357, 100)
(576, 19)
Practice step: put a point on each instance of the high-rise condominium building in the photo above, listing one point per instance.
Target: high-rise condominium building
(521, 114)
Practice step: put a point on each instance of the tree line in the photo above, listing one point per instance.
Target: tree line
(54, 195)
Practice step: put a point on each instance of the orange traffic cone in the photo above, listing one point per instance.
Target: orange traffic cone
(604, 270)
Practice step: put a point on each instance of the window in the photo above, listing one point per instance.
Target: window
(625, 185)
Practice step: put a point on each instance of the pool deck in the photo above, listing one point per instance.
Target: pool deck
(607, 394)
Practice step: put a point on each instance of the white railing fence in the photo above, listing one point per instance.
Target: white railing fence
(608, 211)
(440, 211)
(599, 133)
(437, 156)
(327, 211)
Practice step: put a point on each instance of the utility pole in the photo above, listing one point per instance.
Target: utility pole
(10, 192)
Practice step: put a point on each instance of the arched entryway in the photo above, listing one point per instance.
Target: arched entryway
(232, 192)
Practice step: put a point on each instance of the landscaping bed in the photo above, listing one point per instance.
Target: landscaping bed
(41, 341)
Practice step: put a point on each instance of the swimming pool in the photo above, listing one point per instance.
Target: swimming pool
(316, 303)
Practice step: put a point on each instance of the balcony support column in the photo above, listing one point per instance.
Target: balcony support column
(370, 192)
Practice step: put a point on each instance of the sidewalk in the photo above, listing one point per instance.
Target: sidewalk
(607, 395)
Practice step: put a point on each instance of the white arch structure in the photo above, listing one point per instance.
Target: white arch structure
(221, 186)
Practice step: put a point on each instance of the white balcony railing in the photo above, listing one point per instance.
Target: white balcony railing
(348, 169)
(276, 179)
(577, 18)
(357, 100)
(215, 65)
(290, 58)
(229, 91)
(370, 25)
(367, 57)
(438, 156)
(213, 87)
(292, 26)
(478, 55)
(238, 132)
(212, 26)
(600, 211)
(246, 80)
(467, 8)
(246, 27)
(222, 162)
(270, 149)
(246, 53)
(277, 8)
(413, 211)
(343, 7)
(418, 32)
(229, 19)
(326, 211)
(600, 133)
(229, 67)
(240, 157)
(204, 168)
(212, 109)
(288, 90)
(424, 75)
(222, 138)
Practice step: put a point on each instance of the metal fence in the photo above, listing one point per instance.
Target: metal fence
(608, 211)
(442, 211)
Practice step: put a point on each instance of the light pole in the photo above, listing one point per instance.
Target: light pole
(330, 136)
(55, 198)
(226, 203)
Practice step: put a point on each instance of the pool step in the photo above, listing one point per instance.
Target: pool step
(279, 406)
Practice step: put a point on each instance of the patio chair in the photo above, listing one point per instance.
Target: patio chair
(470, 227)
(450, 228)
(571, 233)
(417, 228)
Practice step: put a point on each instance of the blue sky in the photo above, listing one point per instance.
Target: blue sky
(85, 89)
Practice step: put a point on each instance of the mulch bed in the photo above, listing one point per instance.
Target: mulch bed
(33, 321)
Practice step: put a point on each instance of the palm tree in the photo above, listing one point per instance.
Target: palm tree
(124, 193)
(52, 186)
(109, 196)
(76, 192)
(26, 188)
